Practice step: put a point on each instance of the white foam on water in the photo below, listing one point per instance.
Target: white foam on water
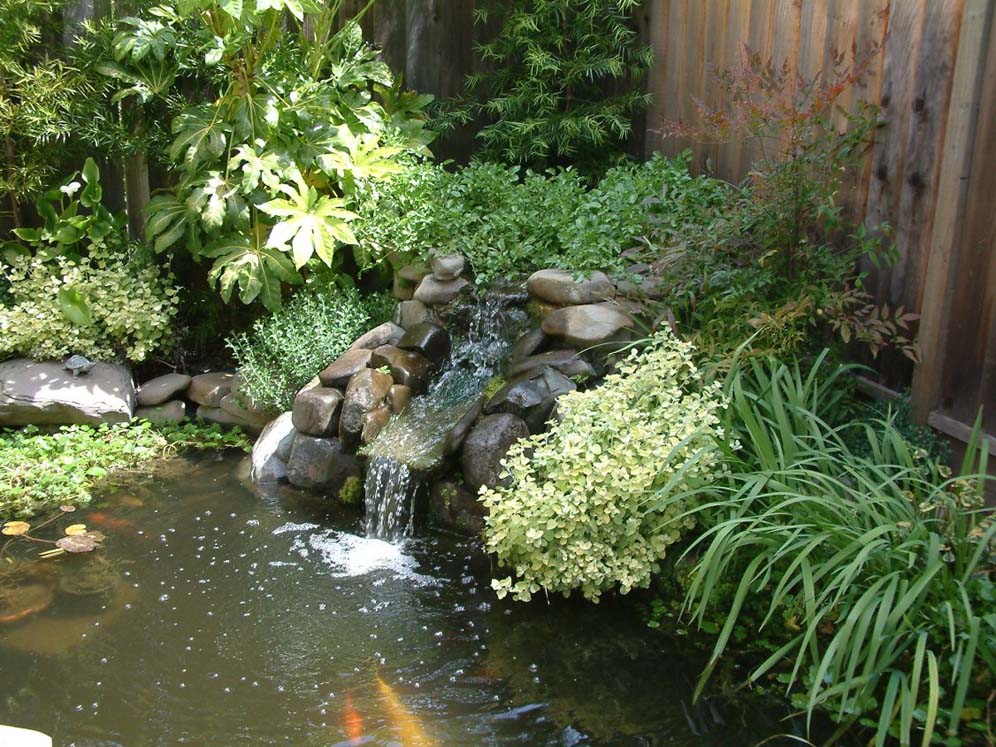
(292, 527)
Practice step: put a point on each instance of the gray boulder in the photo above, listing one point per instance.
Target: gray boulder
(251, 417)
(209, 389)
(568, 362)
(320, 463)
(452, 505)
(457, 434)
(414, 272)
(161, 389)
(485, 447)
(438, 292)
(45, 393)
(387, 333)
(173, 411)
(366, 392)
(448, 267)
(429, 339)
(410, 313)
(407, 368)
(527, 345)
(345, 367)
(316, 411)
(588, 325)
(559, 287)
(267, 463)
(531, 397)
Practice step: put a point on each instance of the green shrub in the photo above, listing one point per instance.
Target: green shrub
(40, 471)
(574, 512)
(284, 350)
(875, 569)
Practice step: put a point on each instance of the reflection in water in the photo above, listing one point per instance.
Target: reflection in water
(242, 622)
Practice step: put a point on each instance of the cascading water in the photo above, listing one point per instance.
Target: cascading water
(411, 445)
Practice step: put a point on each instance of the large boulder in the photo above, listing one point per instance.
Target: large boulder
(173, 411)
(457, 434)
(162, 389)
(316, 411)
(209, 389)
(528, 344)
(561, 288)
(366, 392)
(531, 397)
(44, 393)
(485, 448)
(447, 267)
(246, 413)
(407, 368)
(267, 464)
(429, 339)
(588, 325)
(439, 292)
(410, 313)
(345, 367)
(320, 463)
(387, 333)
(568, 362)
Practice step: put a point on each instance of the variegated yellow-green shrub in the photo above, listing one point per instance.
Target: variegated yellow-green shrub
(577, 511)
(100, 305)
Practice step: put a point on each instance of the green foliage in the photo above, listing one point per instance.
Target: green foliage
(573, 513)
(875, 569)
(41, 471)
(267, 165)
(351, 491)
(287, 348)
(562, 83)
(509, 222)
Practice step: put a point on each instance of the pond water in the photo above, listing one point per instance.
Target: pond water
(218, 617)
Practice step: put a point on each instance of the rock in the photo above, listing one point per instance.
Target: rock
(438, 292)
(162, 388)
(208, 389)
(345, 367)
(173, 411)
(374, 423)
(225, 417)
(452, 505)
(568, 362)
(387, 333)
(414, 272)
(650, 286)
(365, 393)
(591, 324)
(398, 397)
(44, 393)
(407, 368)
(447, 267)
(268, 465)
(456, 435)
(559, 287)
(429, 339)
(402, 289)
(316, 411)
(527, 345)
(252, 418)
(486, 446)
(531, 397)
(11, 736)
(410, 313)
(320, 463)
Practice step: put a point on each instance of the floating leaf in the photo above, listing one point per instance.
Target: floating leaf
(76, 543)
(15, 528)
(75, 530)
(97, 537)
(67, 509)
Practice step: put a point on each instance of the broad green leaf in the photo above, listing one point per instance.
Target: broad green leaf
(201, 135)
(74, 307)
(167, 219)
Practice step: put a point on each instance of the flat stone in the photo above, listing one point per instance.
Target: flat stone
(320, 463)
(316, 411)
(366, 392)
(208, 389)
(387, 333)
(531, 397)
(374, 423)
(161, 389)
(414, 272)
(44, 393)
(173, 411)
(267, 463)
(410, 313)
(531, 342)
(253, 417)
(568, 362)
(407, 368)
(398, 397)
(560, 287)
(345, 367)
(227, 418)
(429, 339)
(588, 325)
(11, 736)
(447, 267)
(438, 292)
(456, 435)
(485, 448)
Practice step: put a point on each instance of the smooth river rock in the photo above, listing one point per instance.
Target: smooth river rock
(587, 325)
(161, 389)
(168, 412)
(366, 392)
(316, 411)
(568, 362)
(44, 393)
(267, 463)
(447, 267)
(345, 367)
(410, 313)
(387, 333)
(398, 397)
(531, 397)
(209, 389)
(485, 447)
(438, 292)
(560, 287)
(407, 368)
(429, 339)
(320, 463)
(528, 344)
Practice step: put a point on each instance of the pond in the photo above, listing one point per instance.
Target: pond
(217, 616)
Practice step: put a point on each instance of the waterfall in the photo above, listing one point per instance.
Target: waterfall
(411, 445)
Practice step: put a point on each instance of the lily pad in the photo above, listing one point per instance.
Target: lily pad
(15, 528)
(77, 543)
(75, 530)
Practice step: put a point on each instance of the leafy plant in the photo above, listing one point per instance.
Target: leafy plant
(266, 168)
(877, 566)
(286, 349)
(562, 82)
(573, 513)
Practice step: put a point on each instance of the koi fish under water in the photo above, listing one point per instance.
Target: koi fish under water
(110, 522)
(352, 722)
(406, 724)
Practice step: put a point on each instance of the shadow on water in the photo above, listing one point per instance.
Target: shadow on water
(227, 618)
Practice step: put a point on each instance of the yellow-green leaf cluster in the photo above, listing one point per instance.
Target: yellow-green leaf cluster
(584, 505)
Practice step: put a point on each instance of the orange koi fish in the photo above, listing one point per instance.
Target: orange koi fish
(110, 522)
(352, 722)
(405, 723)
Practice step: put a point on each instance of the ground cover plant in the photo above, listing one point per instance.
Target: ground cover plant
(40, 471)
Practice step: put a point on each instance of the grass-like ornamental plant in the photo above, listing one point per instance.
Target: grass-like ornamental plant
(574, 512)
(875, 565)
